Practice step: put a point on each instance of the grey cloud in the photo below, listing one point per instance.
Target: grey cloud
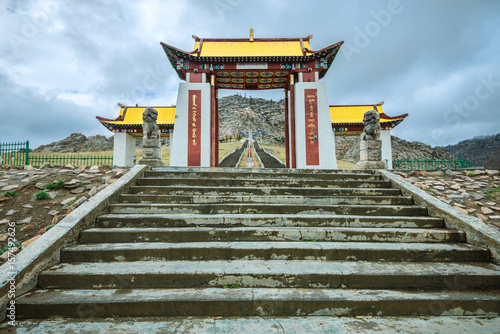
(423, 60)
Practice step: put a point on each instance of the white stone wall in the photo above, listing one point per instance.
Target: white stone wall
(385, 137)
(123, 150)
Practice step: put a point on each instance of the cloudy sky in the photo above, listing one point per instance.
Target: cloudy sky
(63, 62)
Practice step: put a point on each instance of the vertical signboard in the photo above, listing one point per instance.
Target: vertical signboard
(311, 114)
(194, 128)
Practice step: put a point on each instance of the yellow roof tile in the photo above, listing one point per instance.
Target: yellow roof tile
(166, 115)
(339, 115)
(257, 48)
(354, 114)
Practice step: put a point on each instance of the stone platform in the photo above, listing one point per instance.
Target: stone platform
(330, 251)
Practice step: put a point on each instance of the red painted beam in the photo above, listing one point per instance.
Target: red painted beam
(212, 122)
(287, 132)
(216, 128)
(292, 120)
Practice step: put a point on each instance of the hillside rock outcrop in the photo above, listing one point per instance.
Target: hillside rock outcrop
(77, 142)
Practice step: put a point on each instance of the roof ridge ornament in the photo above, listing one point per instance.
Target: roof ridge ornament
(251, 35)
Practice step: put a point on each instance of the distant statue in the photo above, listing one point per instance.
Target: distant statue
(371, 120)
(151, 143)
(370, 145)
(149, 127)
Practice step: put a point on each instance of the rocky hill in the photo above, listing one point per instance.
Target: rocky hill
(242, 114)
(347, 149)
(77, 142)
(239, 114)
(482, 151)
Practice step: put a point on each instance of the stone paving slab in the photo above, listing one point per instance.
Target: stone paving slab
(195, 234)
(272, 273)
(271, 325)
(220, 220)
(362, 251)
(230, 190)
(285, 199)
(84, 303)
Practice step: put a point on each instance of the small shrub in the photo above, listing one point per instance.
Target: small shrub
(42, 195)
(10, 194)
(472, 174)
(56, 185)
(231, 286)
(9, 246)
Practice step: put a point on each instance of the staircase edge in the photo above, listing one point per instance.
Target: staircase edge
(20, 275)
(477, 232)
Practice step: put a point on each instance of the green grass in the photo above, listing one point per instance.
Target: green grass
(55, 185)
(231, 286)
(9, 246)
(10, 194)
(42, 195)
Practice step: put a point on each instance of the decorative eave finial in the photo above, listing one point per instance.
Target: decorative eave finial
(251, 35)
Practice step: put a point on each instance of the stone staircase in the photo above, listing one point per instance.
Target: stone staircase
(229, 242)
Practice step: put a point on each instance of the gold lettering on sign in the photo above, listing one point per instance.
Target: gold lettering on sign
(194, 128)
(311, 118)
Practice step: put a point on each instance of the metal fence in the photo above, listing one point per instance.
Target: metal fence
(15, 154)
(431, 164)
(18, 154)
(75, 160)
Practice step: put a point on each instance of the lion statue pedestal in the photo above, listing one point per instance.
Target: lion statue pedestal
(151, 143)
(370, 153)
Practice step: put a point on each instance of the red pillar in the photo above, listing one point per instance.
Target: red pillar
(217, 128)
(212, 122)
(292, 120)
(287, 132)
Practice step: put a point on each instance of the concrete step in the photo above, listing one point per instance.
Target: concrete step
(262, 220)
(267, 199)
(261, 171)
(261, 324)
(242, 174)
(205, 234)
(270, 191)
(271, 274)
(107, 303)
(374, 210)
(321, 251)
(275, 182)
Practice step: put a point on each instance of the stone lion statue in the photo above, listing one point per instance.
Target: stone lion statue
(149, 127)
(371, 120)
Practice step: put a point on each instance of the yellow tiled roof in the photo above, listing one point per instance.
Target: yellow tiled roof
(338, 114)
(265, 48)
(166, 115)
(354, 114)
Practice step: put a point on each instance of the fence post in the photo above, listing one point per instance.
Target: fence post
(27, 155)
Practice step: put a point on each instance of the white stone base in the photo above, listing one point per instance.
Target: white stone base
(123, 150)
(385, 137)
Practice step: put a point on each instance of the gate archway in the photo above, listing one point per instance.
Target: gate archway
(253, 64)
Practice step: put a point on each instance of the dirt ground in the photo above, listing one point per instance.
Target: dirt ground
(31, 217)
